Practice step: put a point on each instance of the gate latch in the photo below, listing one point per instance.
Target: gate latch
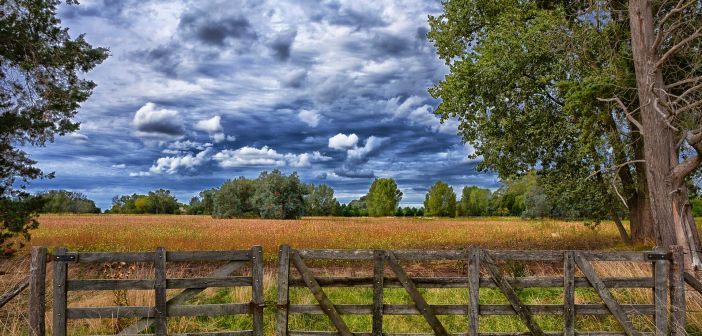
(66, 257)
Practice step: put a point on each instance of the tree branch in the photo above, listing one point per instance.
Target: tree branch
(690, 164)
(626, 111)
(675, 48)
(684, 81)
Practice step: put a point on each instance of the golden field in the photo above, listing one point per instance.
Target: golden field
(146, 232)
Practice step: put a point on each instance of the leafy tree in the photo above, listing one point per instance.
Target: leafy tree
(399, 212)
(155, 202)
(235, 199)
(440, 200)
(475, 201)
(42, 91)
(409, 212)
(383, 197)
(203, 204)
(278, 196)
(63, 201)
(320, 201)
(420, 212)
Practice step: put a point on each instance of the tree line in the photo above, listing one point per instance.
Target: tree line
(275, 195)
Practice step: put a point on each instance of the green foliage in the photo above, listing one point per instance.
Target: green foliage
(155, 202)
(355, 208)
(42, 76)
(235, 199)
(278, 196)
(383, 197)
(203, 204)
(320, 201)
(696, 206)
(440, 200)
(63, 201)
(475, 201)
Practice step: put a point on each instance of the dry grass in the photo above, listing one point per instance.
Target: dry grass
(145, 232)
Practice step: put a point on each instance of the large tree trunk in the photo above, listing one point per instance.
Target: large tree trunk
(667, 192)
(640, 219)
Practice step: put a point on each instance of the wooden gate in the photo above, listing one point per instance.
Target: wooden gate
(157, 316)
(477, 261)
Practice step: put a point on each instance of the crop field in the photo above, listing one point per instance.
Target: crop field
(146, 232)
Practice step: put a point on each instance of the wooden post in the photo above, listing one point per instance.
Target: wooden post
(660, 297)
(378, 283)
(281, 320)
(160, 323)
(60, 294)
(569, 294)
(257, 289)
(37, 292)
(677, 291)
(473, 290)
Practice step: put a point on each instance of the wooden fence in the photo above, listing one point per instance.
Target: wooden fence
(157, 316)
(482, 269)
(478, 259)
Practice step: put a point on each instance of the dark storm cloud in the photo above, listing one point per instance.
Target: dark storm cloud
(165, 58)
(216, 31)
(282, 44)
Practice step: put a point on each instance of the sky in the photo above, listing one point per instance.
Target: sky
(199, 92)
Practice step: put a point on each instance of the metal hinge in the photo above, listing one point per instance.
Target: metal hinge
(656, 256)
(66, 257)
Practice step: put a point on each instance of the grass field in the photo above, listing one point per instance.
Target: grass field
(146, 232)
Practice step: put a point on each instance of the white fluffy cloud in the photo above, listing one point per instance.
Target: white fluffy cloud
(342, 141)
(265, 156)
(212, 125)
(360, 153)
(311, 118)
(151, 121)
(177, 164)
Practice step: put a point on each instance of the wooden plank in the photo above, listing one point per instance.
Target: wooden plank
(569, 294)
(60, 295)
(236, 255)
(257, 289)
(399, 254)
(89, 257)
(161, 311)
(378, 277)
(522, 311)
(660, 296)
(109, 284)
(331, 333)
(318, 293)
(183, 297)
(485, 282)
(418, 299)
(484, 309)
(473, 290)
(209, 282)
(604, 294)
(693, 282)
(211, 333)
(37, 292)
(281, 318)
(677, 291)
(14, 291)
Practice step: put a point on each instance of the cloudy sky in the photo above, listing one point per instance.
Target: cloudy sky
(198, 92)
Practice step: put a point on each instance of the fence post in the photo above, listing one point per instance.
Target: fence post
(37, 292)
(60, 293)
(677, 291)
(569, 293)
(378, 283)
(257, 289)
(660, 295)
(161, 323)
(473, 290)
(281, 320)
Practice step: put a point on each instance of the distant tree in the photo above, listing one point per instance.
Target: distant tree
(696, 206)
(320, 201)
(42, 87)
(475, 201)
(383, 197)
(63, 201)
(278, 196)
(440, 200)
(358, 207)
(409, 212)
(399, 212)
(420, 212)
(235, 199)
(162, 202)
(203, 204)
